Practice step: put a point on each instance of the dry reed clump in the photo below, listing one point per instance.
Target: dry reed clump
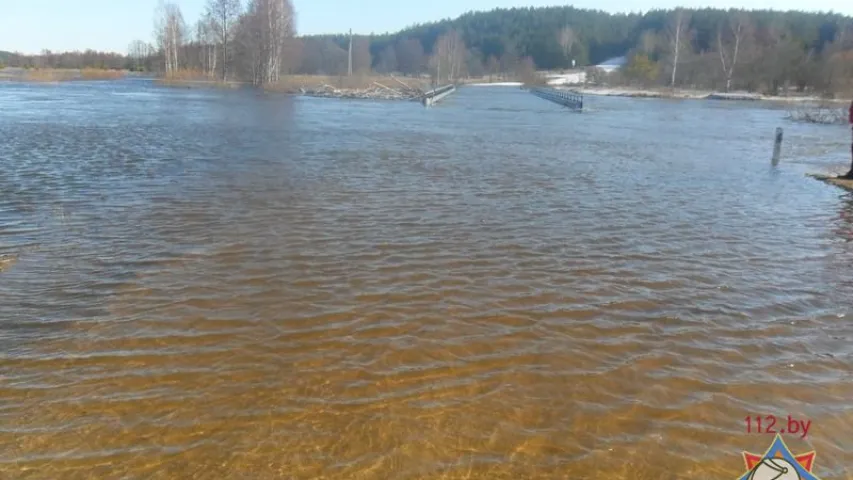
(47, 75)
(187, 74)
(101, 74)
(194, 78)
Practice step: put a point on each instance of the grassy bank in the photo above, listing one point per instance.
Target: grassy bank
(195, 79)
(188, 83)
(55, 75)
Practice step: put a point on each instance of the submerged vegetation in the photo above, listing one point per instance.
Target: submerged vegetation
(293, 83)
(357, 86)
(823, 113)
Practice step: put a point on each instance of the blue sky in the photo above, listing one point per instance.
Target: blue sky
(31, 25)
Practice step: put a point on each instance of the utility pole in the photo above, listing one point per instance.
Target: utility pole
(349, 69)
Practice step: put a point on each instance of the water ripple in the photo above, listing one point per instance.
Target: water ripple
(202, 284)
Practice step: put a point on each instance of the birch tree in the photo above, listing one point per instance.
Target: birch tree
(267, 25)
(677, 37)
(209, 27)
(169, 30)
(449, 56)
(224, 15)
(737, 27)
(205, 46)
(138, 51)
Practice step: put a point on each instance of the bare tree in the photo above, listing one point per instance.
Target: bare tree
(649, 42)
(410, 56)
(837, 70)
(138, 51)
(169, 29)
(387, 60)
(212, 49)
(526, 71)
(361, 58)
(566, 39)
(322, 56)
(292, 56)
(457, 53)
(267, 26)
(207, 45)
(493, 66)
(509, 61)
(449, 56)
(247, 43)
(223, 16)
(676, 31)
(201, 42)
(474, 64)
(737, 26)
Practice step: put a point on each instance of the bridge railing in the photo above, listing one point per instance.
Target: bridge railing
(566, 98)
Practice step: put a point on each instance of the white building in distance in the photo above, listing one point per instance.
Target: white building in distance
(579, 77)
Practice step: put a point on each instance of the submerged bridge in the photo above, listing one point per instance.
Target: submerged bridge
(436, 95)
(567, 98)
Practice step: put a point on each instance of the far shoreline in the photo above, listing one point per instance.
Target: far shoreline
(689, 94)
(370, 87)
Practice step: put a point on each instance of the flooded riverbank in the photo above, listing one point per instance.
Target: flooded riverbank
(231, 284)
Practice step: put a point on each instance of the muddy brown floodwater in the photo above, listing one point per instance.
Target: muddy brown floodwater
(219, 285)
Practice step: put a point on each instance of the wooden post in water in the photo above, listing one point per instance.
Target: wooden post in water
(349, 64)
(777, 146)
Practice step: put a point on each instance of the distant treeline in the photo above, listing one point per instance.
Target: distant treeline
(709, 48)
(766, 51)
(74, 60)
